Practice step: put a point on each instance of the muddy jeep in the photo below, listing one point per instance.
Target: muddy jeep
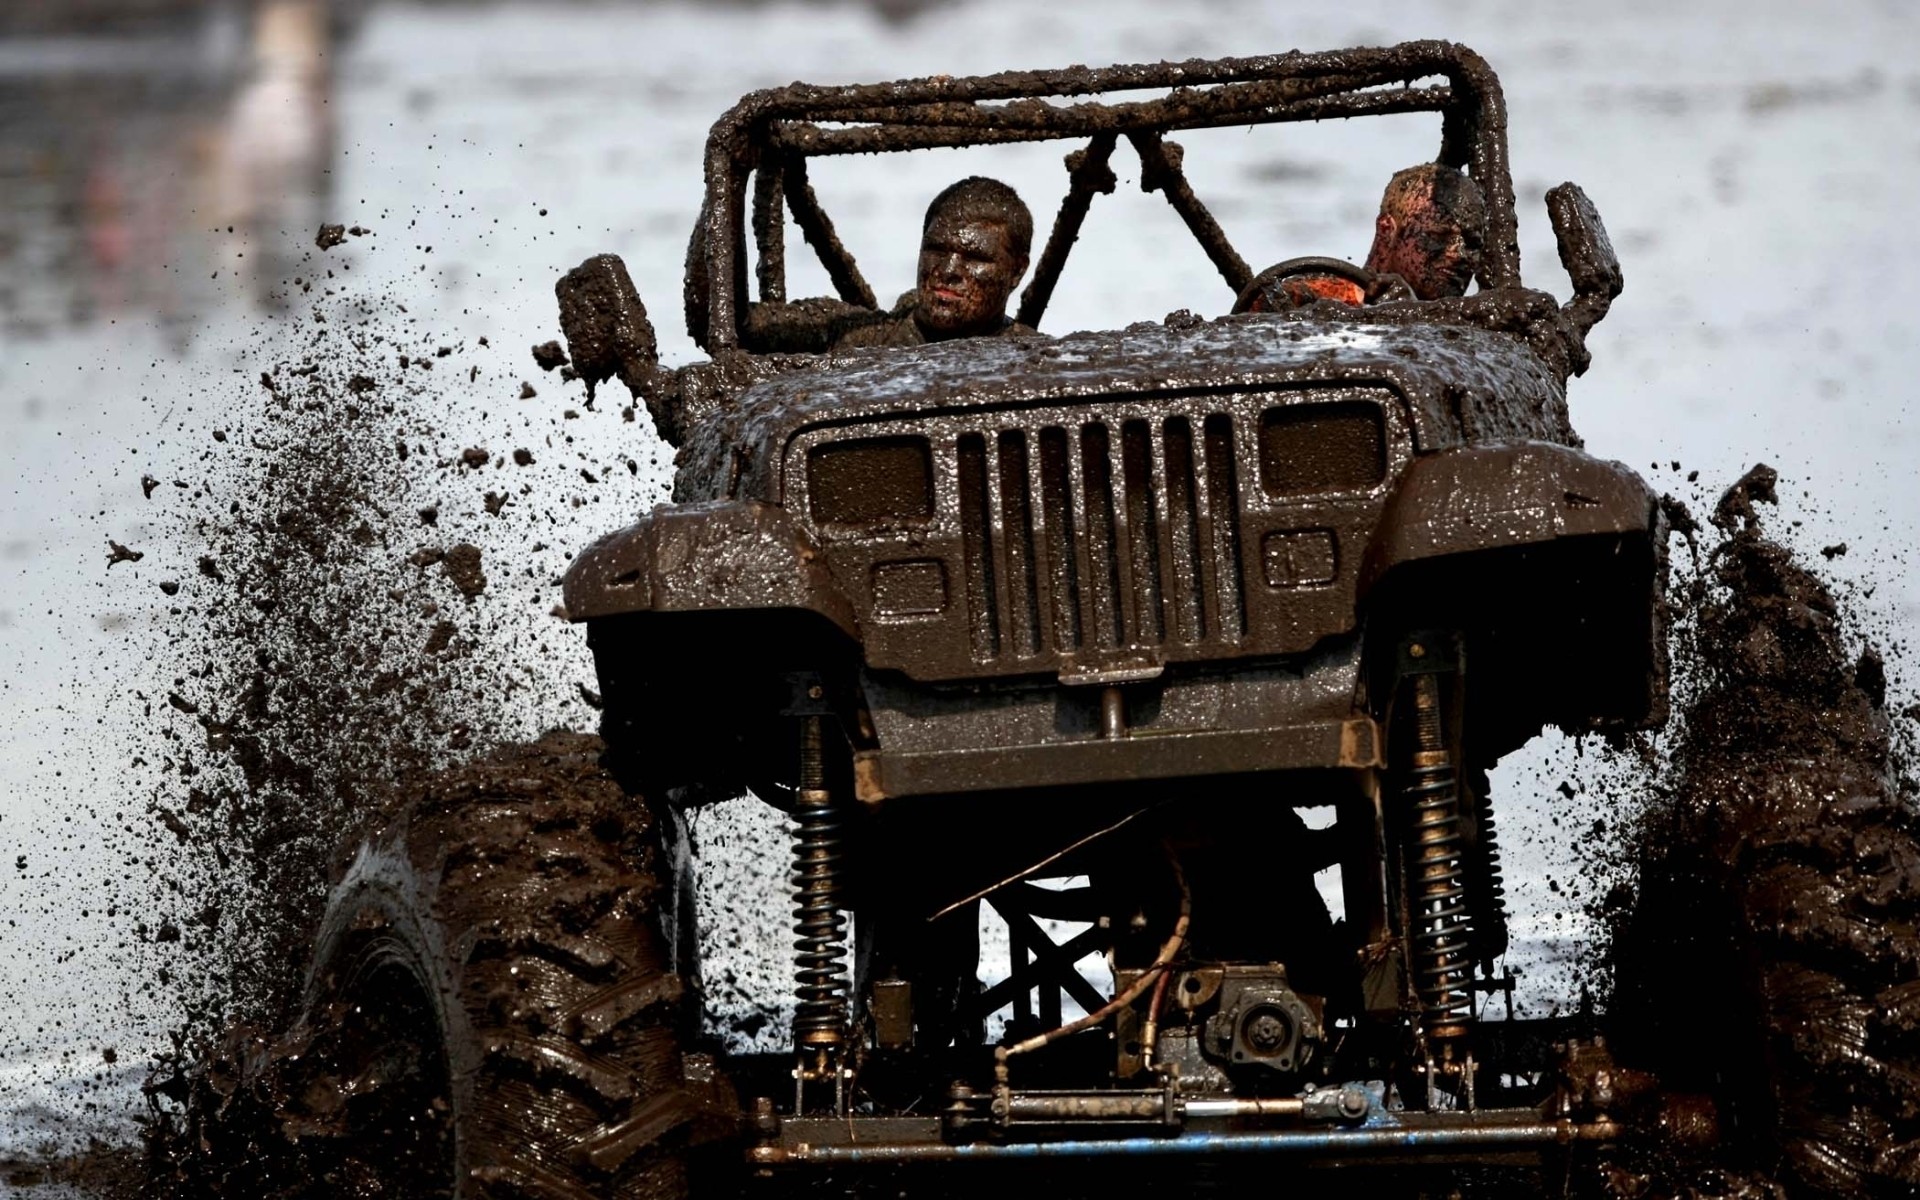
(1122, 637)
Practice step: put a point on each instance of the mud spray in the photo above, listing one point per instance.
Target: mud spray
(333, 645)
(344, 617)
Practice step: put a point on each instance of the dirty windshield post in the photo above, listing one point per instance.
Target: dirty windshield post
(1118, 606)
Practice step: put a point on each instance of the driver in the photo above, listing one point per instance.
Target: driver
(1426, 240)
(973, 250)
(1431, 227)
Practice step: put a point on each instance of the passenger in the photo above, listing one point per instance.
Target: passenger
(973, 251)
(1426, 245)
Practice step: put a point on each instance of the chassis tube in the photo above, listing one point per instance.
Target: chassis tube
(1378, 1140)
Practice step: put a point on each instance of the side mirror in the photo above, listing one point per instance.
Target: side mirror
(607, 329)
(1586, 253)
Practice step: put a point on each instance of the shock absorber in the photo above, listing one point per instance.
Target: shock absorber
(820, 950)
(1486, 884)
(1437, 877)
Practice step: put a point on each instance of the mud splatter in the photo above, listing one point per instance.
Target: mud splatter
(462, 566)
(311, 661)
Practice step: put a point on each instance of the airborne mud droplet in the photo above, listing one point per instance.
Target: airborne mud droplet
(462, 566)
(309, 668)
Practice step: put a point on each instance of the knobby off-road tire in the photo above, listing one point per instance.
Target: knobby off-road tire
(1772, 958)
(1783, 981)
(493, 961)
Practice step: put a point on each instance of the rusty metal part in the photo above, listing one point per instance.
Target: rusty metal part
(1087, 174)
(1159, 1106)
(1436, 875)
(1263, 1022)
(1408, 1137)
(1150, 1029)
(1018, 1110)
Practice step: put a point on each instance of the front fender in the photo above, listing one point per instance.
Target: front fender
(1512, 494)
(719, 555)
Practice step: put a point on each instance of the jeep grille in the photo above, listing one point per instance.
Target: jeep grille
(1109, 535)
(1100, 535)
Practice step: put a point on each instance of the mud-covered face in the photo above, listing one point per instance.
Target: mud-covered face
(1435, 254)
(968, 268)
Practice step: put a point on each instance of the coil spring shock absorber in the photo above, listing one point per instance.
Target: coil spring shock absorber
(1438, 878)
(1486, 884)
(820, 951)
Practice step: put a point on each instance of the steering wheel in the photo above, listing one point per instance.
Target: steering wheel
(1372, 286)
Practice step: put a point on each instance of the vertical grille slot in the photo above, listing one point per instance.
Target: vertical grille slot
(1188, 588)
(976, 520)
(1023, 575)
(1102, 535)
(1056, 516)
(1142, 532)
(1108, 620)
(1223, 507)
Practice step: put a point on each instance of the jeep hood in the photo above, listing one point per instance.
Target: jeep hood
(1461, 383)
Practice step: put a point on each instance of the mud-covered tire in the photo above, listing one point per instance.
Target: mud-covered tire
(501, 933)
(1780, 976)
(1773, 964)
(1771, 960)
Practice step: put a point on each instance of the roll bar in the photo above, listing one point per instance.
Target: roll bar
(770, 135)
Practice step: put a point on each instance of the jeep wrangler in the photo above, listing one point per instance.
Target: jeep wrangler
(1073, 629)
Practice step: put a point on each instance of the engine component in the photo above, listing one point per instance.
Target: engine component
(1263, 1022)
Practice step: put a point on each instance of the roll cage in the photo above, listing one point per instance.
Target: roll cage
(757, 154)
